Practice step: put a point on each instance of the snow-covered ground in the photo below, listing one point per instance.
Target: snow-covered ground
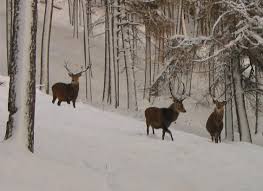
(88, 149)
(64, 47)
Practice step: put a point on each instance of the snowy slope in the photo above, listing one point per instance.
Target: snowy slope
(88, 149)
(64, 47)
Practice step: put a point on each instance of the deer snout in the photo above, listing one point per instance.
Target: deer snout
(182, 109)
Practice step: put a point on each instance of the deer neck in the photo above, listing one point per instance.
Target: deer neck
(219, 113)
(75, 85)
(175, 112)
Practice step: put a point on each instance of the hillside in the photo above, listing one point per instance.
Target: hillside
(65, 47)
(85, 148)
(99, 148)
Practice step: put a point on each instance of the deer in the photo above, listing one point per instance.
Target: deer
(214, 124)
(67, 92)
(161, 118)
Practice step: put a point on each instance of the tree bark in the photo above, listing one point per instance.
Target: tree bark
(229, 131)
(46, 33)
(241, 113)
(21, 101)
(147, 80)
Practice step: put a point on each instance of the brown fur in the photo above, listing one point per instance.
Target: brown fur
(214, 124)
(161, 118)
(66, 92)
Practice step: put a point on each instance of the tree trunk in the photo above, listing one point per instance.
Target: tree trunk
(241, 113)
(21, 101)
(86, 20)
(229, 131)
(114, 55)
(147, 79)
(70, 11)
(44, 71)
(7, 32)
(257, 98)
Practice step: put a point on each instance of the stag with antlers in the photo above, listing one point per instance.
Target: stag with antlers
(214, 124)
(161, 118)
(68, 92)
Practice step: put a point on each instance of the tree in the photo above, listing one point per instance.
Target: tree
(86, 10)
(231, 32)
(229, 130)
(243, 125)
(44, 70)
(21, 101)
(9, 28)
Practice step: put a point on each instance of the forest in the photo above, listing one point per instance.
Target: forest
(193, 66)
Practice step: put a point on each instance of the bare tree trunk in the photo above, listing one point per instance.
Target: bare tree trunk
(147, 79)
(85, 34)
(46, 33)
(229, 130)
(133, 48)
(106, 49)
(241, 113)
(257, 98)
(7, 32)
(125, 65)
(70, 11)
(118, 50)
(109, 98)
(113, 33)
(107, 71)
(76, 18)
(21, 101)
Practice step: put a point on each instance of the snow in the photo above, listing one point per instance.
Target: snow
(85, 148)
(89, 149)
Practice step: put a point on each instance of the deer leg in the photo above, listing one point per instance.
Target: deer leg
(54, 99)
(74, 103)
(153, 130)
(216, 139)
(168, 131)
(212, 138)
(59, 102)
(147, 129)
(68, 101)
(163, 134)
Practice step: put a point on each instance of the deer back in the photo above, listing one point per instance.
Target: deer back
(153, 116)
(65, 91)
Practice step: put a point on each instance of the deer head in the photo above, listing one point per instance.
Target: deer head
(219, 105)
(178, 103)
(75, 77)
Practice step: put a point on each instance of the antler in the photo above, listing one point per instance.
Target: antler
(183, 88)
(82, 71)
(183, 92)
(66, 67)
(171, 92)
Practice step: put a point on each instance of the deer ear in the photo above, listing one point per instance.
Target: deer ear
(214, 101)
(70, 74)
(224, 102)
